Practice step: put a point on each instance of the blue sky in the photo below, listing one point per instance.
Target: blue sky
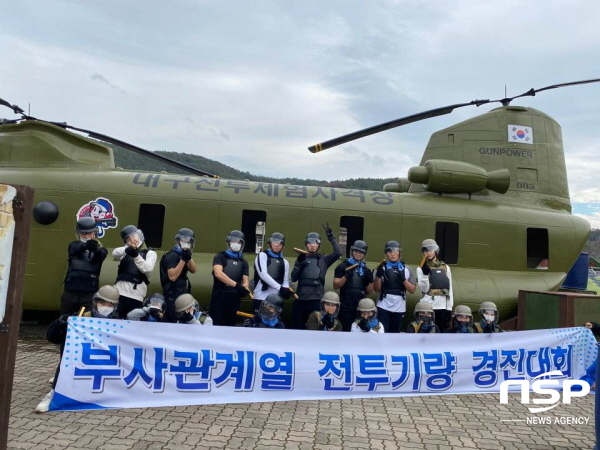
(253, 84)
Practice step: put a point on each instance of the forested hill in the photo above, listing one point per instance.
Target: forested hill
(134, 161)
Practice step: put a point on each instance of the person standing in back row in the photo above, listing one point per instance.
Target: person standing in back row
(174, 268)
(393, 279)
(309, 271)
(86, 256)
(271, 272)
(435, 281)
(354, 280)
(136, 264)
(230, 281)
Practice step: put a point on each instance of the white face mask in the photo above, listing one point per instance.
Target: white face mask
(105, 311)
(84, 240)
(185, 245)
(489, 317)
(235, 246)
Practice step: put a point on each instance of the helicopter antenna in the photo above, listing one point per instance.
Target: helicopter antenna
(103, 137)
(432, 113)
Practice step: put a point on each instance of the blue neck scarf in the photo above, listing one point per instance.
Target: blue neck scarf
(177, 249)
(361, 265)
(272, 254)
(232, 254)
(394, 265)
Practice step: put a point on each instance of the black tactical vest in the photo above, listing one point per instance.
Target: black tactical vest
(392, 283)
(438, 279)
(275, 269)
(311, 273)
(128, 271)
(234, 269)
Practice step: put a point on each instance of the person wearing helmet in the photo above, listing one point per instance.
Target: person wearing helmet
(435, 281)
(392, 280)
(86, 256)
(230, 281)
(174, 268)
(462, 320)
(271, 271)
(136, 264)
(269, 313)
(104, 306)
(309, 271)
(367, 321)
(488, 322)
(186, 307)
(326, 318)
(152, 311)
(354, 280)
(424, 320)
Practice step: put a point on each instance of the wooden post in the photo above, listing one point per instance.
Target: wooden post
(22, 210)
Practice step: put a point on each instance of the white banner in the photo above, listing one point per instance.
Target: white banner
(121, 364)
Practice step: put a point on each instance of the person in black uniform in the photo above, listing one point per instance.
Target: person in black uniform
(174, 268)
(230, 285)
(355, 282)
(393, 279)
(309, 271)
(86, 256)
(136, 264)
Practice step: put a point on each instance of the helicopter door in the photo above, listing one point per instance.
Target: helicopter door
(252, 229)
(446, 236)
(151, 220)
(537, 248)
(351, 229)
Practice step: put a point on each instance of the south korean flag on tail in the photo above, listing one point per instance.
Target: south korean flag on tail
(520, 134)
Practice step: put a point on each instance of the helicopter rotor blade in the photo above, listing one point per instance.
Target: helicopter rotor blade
(391, 124)
(531, 92)
(141, 151)
(431, 113)
(15, 108)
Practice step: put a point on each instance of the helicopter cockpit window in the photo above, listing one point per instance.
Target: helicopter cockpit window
(354, 228)
(446, 236)
(537, 248)
(151, 220)
(254, 229)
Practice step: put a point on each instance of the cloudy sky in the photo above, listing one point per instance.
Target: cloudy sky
(253, 84)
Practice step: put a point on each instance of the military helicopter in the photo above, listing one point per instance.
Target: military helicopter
(491, 190)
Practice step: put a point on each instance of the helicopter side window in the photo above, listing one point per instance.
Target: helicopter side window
(151, 220)
(254, 228)
(446, 236)
(537, 248)
(351, 229)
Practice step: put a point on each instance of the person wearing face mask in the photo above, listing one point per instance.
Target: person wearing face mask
(462, 320)
(269, 313)
(489, 319)
(271, 271)
(174, 268)
(152, 311)
(424, 320)
(326, 318)
(104, 306)
(309, 271)
(187, 307)
(86, 256)
(136, 264)
(230, 281)
(354, 280)
(392, 280)
(367, 320)
(435, 281)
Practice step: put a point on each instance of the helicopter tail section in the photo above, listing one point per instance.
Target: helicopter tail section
(519, 148)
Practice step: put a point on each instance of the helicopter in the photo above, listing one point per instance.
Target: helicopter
(491, 190)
